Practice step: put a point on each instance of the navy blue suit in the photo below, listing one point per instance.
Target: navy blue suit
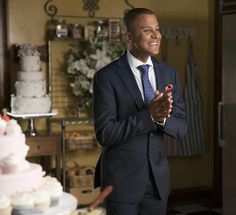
(132, 141)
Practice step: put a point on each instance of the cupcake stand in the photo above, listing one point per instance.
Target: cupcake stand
(31, 130)
(68, 205)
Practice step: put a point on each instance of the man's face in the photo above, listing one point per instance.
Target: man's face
(144, 37)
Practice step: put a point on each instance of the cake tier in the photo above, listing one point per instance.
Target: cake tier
(24, 181)
(30, 89)
(20, 105)
(30, 76)
(13, 144)
(29, 63)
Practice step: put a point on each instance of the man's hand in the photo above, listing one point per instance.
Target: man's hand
(160, 106)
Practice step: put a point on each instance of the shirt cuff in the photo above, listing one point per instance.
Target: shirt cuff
(159, 123)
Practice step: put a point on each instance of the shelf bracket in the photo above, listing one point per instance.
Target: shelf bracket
(50, 10)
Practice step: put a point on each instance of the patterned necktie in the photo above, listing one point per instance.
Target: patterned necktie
(147, 87)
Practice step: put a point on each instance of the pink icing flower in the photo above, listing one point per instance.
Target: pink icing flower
(4, 115)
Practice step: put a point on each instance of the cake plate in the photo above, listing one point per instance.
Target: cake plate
(67, 205)
(31, 130)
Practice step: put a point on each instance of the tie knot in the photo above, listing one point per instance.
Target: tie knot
(144, 68)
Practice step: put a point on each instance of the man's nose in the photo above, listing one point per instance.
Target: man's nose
(156, 34)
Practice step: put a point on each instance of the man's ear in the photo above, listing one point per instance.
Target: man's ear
(127, 36)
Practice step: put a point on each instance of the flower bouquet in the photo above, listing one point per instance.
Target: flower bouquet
(82, 61)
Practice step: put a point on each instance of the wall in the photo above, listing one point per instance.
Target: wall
(27, 21)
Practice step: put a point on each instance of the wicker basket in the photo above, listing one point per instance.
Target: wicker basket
(82, 176)
(79, 140)
(84, 195)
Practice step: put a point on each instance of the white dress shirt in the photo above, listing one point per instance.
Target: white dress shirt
(134, 63)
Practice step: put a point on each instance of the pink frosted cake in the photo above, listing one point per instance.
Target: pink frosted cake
(20, 179)
(16, 174)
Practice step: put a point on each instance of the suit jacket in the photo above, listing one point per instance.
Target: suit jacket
(132, 142)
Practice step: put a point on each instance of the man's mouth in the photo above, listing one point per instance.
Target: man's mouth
(153, 43)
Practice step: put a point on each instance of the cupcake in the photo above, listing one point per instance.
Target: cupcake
(9, 164)
(54, 189)
(22, 204)
(5, 205)
(41, 200)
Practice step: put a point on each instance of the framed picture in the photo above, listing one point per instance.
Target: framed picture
(114, 29)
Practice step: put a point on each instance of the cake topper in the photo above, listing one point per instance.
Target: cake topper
(28, 50)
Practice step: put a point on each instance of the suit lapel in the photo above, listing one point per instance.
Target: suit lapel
(127, 77)
(157, 70)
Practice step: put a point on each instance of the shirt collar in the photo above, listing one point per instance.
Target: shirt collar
(135, 62)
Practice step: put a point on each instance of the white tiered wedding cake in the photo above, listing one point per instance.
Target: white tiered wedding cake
(31, 96)
(24, 188)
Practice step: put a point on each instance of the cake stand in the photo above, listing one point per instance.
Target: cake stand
(67, 205)
(31, 130)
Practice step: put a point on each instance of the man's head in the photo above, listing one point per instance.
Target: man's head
(132, 14)
(142, 33)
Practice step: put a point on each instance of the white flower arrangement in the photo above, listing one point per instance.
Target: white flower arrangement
(83, 61)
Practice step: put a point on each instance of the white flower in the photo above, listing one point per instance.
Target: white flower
(90, 73)
(101, 58)
(84, 61)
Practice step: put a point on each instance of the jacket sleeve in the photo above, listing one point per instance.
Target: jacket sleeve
(176, 124)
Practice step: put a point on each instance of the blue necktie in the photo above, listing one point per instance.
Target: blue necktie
(147, 87)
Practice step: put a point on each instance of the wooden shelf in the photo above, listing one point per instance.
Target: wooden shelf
(46, 146)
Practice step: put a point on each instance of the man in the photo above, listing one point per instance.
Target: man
(130, 125)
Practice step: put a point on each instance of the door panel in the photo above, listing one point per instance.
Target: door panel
(228, 117)
(4, 74)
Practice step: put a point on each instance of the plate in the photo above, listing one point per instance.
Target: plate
(32, 115)
(97, 211)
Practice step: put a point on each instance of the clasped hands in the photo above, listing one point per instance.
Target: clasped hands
(160, 106)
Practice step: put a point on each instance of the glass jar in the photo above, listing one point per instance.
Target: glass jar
(76, 31)
(101, 29)
(114, 29)
(61, 29)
